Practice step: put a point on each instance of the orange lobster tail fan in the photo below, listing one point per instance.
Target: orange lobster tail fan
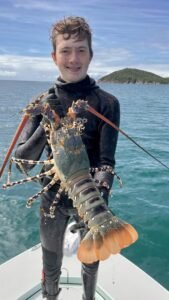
(14, 140)
(101, 247)
(86, 252)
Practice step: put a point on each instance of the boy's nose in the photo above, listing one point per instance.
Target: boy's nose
(74, 56)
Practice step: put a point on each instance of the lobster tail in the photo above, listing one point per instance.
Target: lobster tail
(107, 233)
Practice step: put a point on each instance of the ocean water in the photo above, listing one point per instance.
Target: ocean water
(142, 201)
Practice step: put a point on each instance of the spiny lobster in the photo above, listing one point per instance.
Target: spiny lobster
(107, 234)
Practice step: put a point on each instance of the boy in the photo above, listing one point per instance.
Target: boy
(72, 54)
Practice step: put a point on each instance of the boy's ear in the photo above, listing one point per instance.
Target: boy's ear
(53, 54)
(91, 54)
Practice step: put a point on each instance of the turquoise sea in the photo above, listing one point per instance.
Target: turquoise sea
(142, 201)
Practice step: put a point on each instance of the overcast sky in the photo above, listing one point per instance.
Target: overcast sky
(126, 33)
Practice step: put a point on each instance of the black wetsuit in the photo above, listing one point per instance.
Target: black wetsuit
(100, 140)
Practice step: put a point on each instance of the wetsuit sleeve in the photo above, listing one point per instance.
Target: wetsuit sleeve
(32, 141)
(33, 138)
(109, 135)
(104, 176)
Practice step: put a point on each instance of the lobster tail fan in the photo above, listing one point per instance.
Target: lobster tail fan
(100, 245)
(132, 232)
(100, 248)
(93, 249)
(120, 237)
(86, 252)
(111, 242)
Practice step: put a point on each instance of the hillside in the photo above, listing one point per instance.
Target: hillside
(129, 75)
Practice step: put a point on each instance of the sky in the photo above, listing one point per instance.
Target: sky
(126, 34)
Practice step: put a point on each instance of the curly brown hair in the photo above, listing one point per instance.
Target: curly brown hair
(76, 26)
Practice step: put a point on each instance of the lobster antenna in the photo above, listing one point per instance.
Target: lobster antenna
(93, 111)
(18, 132)
(13, 143)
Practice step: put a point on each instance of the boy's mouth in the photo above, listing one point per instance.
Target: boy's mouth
(74, 69)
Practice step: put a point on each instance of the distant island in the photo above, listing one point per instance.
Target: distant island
(130, 75)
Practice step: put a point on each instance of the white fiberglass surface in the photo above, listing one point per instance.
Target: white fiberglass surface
(74, 293)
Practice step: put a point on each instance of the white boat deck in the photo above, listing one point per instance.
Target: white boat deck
(118, 279)
(69, 291)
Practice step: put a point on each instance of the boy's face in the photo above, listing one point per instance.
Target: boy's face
(72, 57)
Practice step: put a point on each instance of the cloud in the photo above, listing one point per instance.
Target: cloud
(8, 74)
(108, 55)
(11, 16)
(43, 69)
(3, 50)
(40, 5)
(27, 68)
(164, 48)
(58, 5)
(103, 64)
(47, 6)
(120, 58)
(155, 13)
(159, 69)
(34, 51)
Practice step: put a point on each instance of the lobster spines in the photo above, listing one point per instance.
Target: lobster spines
(101, 242)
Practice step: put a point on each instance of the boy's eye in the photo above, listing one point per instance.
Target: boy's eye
(64, 50)
(82, 50)
(67, 51)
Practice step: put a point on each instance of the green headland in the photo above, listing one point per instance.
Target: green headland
(130, 75)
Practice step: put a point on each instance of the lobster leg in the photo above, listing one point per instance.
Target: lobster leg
(20, 163)
(45, 189)
(32, 162)
(29, 179)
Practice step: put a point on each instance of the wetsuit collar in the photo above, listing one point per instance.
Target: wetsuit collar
(86, 84)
